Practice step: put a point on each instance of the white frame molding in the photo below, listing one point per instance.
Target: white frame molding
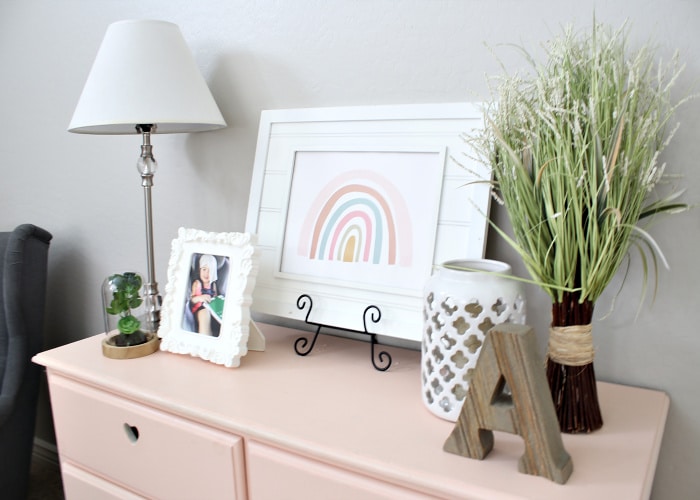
(460, 222)
(232, 342)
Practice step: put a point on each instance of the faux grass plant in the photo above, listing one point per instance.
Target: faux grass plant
(574, 147)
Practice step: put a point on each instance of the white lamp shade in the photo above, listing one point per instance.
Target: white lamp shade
(144, 73)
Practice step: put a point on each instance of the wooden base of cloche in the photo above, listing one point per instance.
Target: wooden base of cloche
(113, 351)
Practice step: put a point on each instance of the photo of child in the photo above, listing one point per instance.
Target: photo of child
(205, 297)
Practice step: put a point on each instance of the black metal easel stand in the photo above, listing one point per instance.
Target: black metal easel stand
(375, 315)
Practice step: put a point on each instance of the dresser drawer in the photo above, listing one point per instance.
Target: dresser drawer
(156, 454)
(78, 484)
(274, 474)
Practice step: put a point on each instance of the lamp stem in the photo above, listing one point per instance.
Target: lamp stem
(147, 166)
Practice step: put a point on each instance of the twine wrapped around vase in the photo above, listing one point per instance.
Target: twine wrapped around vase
(571, 345)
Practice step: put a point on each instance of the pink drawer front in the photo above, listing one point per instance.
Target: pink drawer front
(275, 474)
(78, 484)
(157, 455)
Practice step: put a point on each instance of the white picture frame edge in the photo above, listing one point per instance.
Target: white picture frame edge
(401, 316)
(236, 327)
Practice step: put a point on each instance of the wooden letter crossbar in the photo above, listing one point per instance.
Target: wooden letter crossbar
(509, 356)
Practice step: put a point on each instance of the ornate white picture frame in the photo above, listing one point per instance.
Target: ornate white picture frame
(206, 310)
(354, 206)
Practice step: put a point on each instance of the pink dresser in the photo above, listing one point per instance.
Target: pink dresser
(325, 426)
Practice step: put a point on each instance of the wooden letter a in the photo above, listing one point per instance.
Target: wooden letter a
(509, 356)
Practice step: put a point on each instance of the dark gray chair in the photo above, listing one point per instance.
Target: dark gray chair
(23, 264)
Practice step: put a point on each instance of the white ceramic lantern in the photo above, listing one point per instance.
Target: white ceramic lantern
(463, 300)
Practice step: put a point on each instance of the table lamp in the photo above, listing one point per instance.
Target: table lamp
(144, 81)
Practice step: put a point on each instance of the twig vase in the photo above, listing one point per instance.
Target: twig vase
(570, 371)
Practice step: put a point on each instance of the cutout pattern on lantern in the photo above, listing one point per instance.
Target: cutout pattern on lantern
(463, 300)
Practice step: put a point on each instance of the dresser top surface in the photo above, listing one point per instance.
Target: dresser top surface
(332, 405)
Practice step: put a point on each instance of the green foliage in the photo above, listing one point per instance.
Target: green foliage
(574, 148)
(128, 324)
(125, 297)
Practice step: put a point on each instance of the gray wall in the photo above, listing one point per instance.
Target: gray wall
(266, 54)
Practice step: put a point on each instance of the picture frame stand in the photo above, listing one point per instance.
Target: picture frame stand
(256, 339)
(302, 346)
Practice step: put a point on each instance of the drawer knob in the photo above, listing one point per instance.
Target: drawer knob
(132, 432)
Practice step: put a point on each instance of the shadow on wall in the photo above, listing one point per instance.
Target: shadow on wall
(243, 85)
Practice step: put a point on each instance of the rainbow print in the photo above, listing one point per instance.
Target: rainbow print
(359, 216)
